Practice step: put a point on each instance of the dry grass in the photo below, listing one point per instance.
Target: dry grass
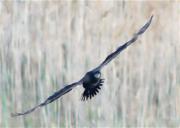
(46, 44)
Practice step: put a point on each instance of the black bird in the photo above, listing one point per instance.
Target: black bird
(92, 80)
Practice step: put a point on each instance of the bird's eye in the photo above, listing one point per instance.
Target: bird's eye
(97, 75)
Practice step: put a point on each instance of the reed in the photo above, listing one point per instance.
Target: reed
(44, 45)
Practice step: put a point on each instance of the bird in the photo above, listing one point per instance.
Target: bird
(92, 81)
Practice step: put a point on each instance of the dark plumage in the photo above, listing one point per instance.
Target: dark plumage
(92, 84)
(92, 81)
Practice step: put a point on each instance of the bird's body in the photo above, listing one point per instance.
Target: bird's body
(92, 80)
(92, 84)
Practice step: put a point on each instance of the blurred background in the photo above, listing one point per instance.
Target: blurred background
(45, 45)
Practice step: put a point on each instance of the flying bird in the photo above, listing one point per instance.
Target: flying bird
(92, 80)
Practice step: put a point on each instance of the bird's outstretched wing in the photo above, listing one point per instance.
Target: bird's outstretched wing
(50, 99)
(121, 48)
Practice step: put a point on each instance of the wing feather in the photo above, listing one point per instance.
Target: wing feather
(50, 99)
(121, 48)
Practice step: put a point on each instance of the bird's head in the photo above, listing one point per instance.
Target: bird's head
(97, 75)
